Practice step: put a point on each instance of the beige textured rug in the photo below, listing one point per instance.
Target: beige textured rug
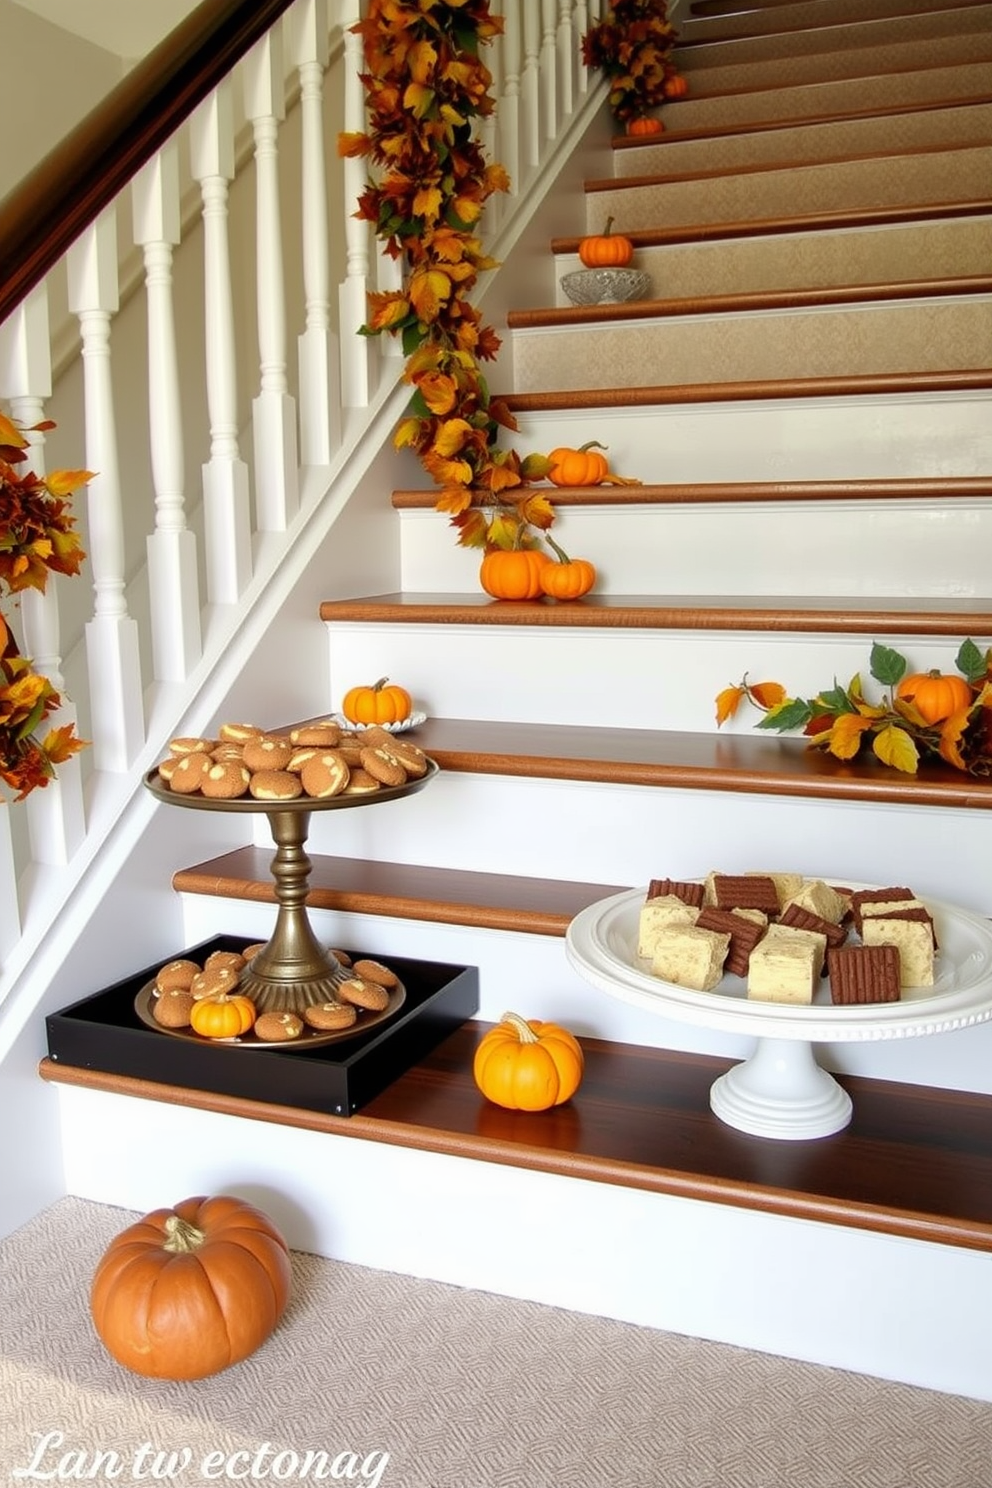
(412, 1384)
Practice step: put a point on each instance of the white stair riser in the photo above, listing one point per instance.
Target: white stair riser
(810, 260)
(892, 548)
(624, 678)
(939, 335)
(532, 973)
(942, 434)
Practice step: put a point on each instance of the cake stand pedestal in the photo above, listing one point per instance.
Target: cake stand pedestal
(293, 970)
(781, 1091)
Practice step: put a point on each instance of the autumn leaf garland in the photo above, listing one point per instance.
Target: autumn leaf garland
(425, 85)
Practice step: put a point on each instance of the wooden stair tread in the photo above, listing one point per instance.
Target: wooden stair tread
(754, 763)
(914, 1162)
(862, 615)
(491, 901)
(755, 300)
(704, 232)
(936, 488)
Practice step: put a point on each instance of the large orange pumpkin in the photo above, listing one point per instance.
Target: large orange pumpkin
(528, 1065)
(188, 1291)
(606, 250)
(513, 573)
(383, 702)
(935, 695)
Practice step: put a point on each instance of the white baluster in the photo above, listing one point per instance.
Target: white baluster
(356, 372)
(319, 356)
(117, 722)
(226, 501)
(530, 89)
(491, 56)
(172, 574)
(10, 910)
(273, 410)
(508, 107)
(582, 24)
(566, 61)
(56, 818)
(549, 69)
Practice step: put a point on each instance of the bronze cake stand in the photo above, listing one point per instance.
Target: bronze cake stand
(293, 970)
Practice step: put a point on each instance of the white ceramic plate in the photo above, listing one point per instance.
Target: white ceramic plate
(414, 721)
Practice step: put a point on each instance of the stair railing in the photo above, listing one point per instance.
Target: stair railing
(180, 509)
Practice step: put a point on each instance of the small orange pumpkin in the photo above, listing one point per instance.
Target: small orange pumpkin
(569, 578)
(188, 1291)
(644, 125)
(606, 250)
(513, 573)
(675, 86)
(528, 1065)
(383, 702)
(222, 1017)
(578, 467)
(935, 695)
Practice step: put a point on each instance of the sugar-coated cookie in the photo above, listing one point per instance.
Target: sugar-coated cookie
(190, 772)
(325, 775)
(167, 768)
(177, 975)
(239, 733)
(251, 951)
(361, 783)
(214, 980)
(341, 957)
(191, 746)
(413, 760)
(383, 766)
(267, 753)
(225, 780)
(325, 735)
(363, 994)
(173, 1008)
(234, 959)
(330, 1015)
(275, 785)
(278, 1028)
(374, 971)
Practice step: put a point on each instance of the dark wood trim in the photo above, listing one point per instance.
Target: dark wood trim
(709, 232)
(976, 379)
(937, 489)
(71, 186)
(914, 1162)
(743, 304)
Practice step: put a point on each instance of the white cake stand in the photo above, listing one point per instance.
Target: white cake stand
(781, 1091)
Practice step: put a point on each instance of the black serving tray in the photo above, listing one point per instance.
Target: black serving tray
(104, 1032)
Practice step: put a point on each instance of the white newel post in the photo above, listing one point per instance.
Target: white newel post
(172, 575)
(508, 106)
(56, 817)
(356, 374)
(117, 722)
(319, 357)
(530, 87)
(226, 499)
(549, 69)
(273, 410)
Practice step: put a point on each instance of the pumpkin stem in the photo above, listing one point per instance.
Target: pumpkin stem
(559, 552)
(522, 1028)
(608, 228)
(591, 444)
(181, 1236)
(378, 686)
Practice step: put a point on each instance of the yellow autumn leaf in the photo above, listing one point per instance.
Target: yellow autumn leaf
(451, 435)
(64, 482)
(10, 434)
(438, 391)
(387, 309)
(846, 734)
(952, 731)
(501, 477)
(408, 431)
(421, 61)
(502, 531)
(418, 100)
(429, 289)
(537, 510)
(427, 202)
(727, 703)
(895, 747)
(351, 144)
(454, 499)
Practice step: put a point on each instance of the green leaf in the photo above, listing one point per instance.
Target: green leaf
(836, 700)
(970, 662)
(887, 666)
(791, 715)
(413, 335)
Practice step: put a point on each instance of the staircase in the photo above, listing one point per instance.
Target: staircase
(805, 401)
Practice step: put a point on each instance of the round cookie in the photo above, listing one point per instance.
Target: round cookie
(251, 951)
(239, 733)
(383, 766)
(341, 957)
(167, 768)
(225, 780)
(233, 959)
(361, 783)
(413, 760)
(300, 757)
(190, 746)
(324, 735)
(172, 1009)
(374, 971)
(278, 1028)
(190, 772)
(267, 753)
(326, 1016)
(325, 775)
(214, 980)
(363, 994)
(275, 785)
(176, 976)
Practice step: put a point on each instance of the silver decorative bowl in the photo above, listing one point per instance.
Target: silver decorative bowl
(606, 286)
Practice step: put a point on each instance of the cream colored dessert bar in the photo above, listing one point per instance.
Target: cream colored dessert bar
(786, 884)
(783, 969)
(690, 957)
(889, 906)
(914, 941)
(656, 915)
(820, 899)
(793, 935)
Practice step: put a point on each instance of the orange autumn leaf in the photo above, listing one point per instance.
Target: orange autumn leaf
(429, 289)
(453, 500)
(767, 694)
(451, 436)
(952, 732)
(537, 510)
(61, 744)
(64, 482)
(438, 391)
(352, 144)
(727, 703)
(388, 309)
(846, 735)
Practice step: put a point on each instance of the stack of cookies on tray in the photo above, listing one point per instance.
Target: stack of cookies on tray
(316, 760)
(782, 933)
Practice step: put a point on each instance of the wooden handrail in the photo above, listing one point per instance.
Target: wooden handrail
(68, 189)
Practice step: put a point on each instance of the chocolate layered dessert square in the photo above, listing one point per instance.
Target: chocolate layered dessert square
(798, 918)
(744, 935)
(862, 897)
(689, 893)
(863, 974)
(745, 891)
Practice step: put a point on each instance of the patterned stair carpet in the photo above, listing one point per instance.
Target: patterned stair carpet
(413, 1384)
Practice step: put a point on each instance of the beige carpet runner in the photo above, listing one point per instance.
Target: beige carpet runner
(412, 1384)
